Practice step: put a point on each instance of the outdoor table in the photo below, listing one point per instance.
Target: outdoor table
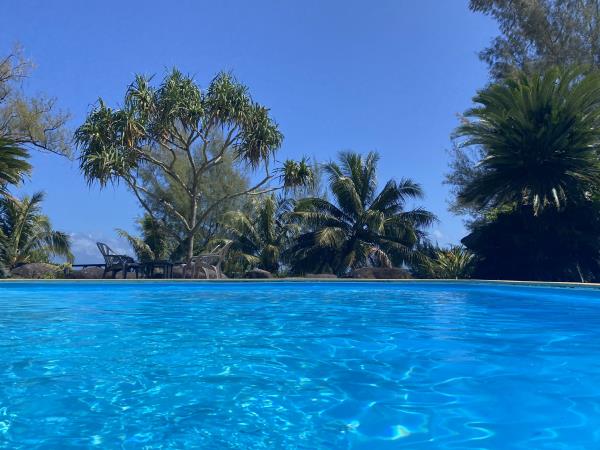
(149, 267)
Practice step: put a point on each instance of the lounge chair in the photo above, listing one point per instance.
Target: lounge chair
(208, 262)
(115, 263)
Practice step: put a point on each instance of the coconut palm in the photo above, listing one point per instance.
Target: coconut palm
(360, 227)
(26, 235)
(539, 137)
(259, 238)
(13, 164)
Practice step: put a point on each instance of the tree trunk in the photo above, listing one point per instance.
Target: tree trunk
(190, 243)
(190, 248)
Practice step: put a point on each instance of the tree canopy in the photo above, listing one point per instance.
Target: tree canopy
(360, 227)
(175, 123)
(154, 243)
(534, 178)
(261, 236)
(553, 245)
(29, 121)
(540, 34)
(26, 235)
(538, 142)
(214, 187)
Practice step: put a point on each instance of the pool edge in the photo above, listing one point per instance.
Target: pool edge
(562, 284)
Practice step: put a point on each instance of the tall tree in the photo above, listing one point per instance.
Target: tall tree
(539, 34)
(26, 235)
(533, 181)
(177, 123)
(29, 121)
(214, 184)
(360, 227)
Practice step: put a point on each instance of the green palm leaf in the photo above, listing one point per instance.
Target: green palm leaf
(27, 234)
(260, 237)
(13, 164)
(538, 137)
(359, 227)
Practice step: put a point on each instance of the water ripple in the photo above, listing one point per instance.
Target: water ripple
(298, 366)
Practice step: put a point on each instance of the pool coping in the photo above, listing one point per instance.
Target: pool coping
(563, 284)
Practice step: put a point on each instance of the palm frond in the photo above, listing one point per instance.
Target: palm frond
(537, 134)
(141, 248)
(27, 234)
(13, 164)
(359, 228)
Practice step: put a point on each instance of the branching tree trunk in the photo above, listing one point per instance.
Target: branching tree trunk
(178, 124)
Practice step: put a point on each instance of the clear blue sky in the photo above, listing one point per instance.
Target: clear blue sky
(389, 76)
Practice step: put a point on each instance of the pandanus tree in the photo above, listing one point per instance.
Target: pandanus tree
(538, 139)
(360, 226)
(259, 238)
(178, 123)
(27, 235)
(215, 184)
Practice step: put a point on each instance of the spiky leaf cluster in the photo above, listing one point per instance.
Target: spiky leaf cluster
(171, 117)
(539, 137)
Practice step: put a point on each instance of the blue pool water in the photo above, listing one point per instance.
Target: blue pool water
(298, 365)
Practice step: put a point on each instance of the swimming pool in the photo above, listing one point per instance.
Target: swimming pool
(298, 365)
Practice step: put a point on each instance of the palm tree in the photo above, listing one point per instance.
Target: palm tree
(539, 137)
(154, 243)
(26, 235)
(455, 262)
(13, 164)
(259, 238)
(360, 227)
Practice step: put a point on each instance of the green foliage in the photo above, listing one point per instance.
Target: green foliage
(13, 164)
(173, 124)
(26, 235)
(455, 262)
(316, 186)
(538, 140)
(297, 174)
(552, 245)
(537, 35)
(261, 236)
(154, 243)
(527, 168)
(360, 227)
(217, 187)
(423, 267)
(26, 121)
(177, 112)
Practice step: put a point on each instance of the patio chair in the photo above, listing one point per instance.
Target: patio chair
(114, 262)
(208, 262)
